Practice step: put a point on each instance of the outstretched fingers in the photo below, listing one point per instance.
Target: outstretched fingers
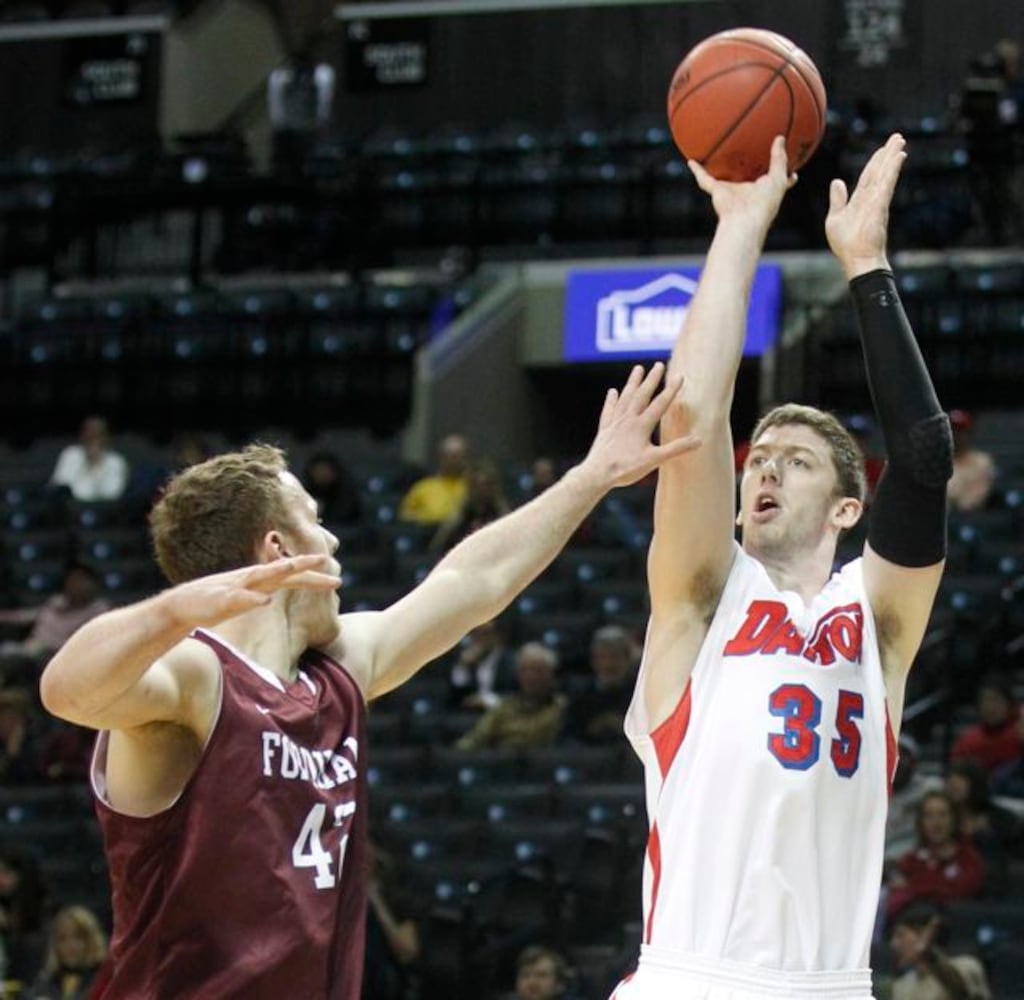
(305, 571)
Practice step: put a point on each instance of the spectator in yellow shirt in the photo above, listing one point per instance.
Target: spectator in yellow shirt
(434, 499)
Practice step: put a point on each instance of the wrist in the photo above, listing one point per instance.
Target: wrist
(592, 477)
(856, 267)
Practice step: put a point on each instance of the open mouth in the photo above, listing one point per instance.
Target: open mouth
(765, 506)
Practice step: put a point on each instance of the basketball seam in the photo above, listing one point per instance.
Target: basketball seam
(746, 111)
(763, 47)
(753, 43)
(711, 77)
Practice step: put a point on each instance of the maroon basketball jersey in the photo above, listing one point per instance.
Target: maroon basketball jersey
(253, 884)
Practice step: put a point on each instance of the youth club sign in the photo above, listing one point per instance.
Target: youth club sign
(637, 314)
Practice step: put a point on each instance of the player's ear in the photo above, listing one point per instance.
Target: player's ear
(847, 512)
(272, 546)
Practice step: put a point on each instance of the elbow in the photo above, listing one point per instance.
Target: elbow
(51, 693)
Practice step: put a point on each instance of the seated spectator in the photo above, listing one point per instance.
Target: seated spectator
(148, 478)
(333, 488)
(543, 474)
(484, 502)
(530, 718)
(22, 899)
(944, 866)
(928, 973)
(59, 616)
(994, 831)
(541, 974)
(392, 934)
(434, 499)
(595, 714)
(76, 950)
(974, 470)
(908, 788)
(18, 738)
(994, 742)
(484, 668)
(91, 469)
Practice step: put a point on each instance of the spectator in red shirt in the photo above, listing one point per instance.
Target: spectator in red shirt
(944, 866)
(995, 741)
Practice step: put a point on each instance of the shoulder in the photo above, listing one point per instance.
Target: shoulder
(355, 647)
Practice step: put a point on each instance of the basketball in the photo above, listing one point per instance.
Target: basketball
(737, 90)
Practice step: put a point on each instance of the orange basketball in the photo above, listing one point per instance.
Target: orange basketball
(737, 90)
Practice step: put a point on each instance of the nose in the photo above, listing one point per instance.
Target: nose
(332, 541)
(770, 468)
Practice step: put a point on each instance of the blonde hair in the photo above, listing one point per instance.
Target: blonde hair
(84, 923)
(212, 515)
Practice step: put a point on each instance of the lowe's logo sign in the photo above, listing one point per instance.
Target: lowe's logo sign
(637, 314)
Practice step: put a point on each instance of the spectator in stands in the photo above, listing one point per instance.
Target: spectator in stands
(994, 831)
(542, 473)
(484, 502)
(909, 786)
(392, 934)
(595, 715)
(91, 469)
(148, 478)
(18, 738)
(974, 470)
(22, 899)
(59, 616)
(944, 866)
(541, 974)
(76, 950)
(333, 488)
(995, 741)
(530, 718)
(434, 499)
(928, 973)
(484, 668)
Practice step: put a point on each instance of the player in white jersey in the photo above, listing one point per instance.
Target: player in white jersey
(771, 689)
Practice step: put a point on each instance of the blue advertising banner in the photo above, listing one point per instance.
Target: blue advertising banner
(622, 315)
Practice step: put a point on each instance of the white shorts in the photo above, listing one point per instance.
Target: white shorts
(663, 975)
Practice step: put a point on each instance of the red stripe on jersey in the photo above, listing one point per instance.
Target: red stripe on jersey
(668, 737)
(891, 752)
(654, 854)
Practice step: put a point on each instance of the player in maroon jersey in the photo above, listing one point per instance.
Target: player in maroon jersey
(230, 767)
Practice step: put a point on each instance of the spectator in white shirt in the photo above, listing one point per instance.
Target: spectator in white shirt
(91, 470)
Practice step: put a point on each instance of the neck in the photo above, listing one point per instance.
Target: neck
(267, 637)
(804, 572)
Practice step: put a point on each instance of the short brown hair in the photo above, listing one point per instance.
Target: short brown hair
(212, 515)
(847, 457)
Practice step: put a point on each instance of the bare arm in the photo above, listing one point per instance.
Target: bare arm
(126, 668)
(482, 574)
(694, 508)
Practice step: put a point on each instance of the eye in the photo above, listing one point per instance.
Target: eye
(799, 462)
(755, 461)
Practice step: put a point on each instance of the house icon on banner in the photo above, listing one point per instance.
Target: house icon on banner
(647, 318)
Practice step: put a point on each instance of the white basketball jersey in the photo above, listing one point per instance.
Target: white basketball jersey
(767, 787)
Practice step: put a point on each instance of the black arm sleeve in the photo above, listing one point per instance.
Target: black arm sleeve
(908, 516)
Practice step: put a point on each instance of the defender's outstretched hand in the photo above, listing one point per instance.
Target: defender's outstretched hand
(622, 452)
(212, 599)
(857, 224)
(760, 199)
